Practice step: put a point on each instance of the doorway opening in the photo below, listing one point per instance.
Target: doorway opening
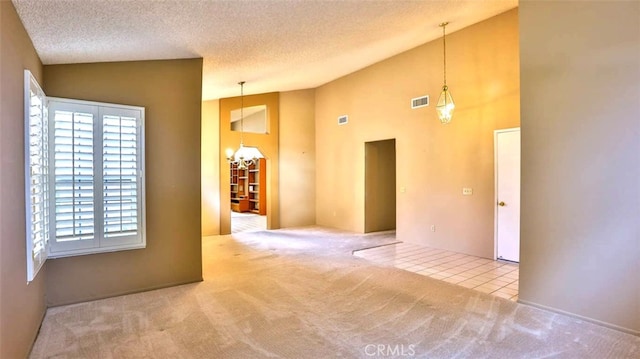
(249, 196)
(380, 186)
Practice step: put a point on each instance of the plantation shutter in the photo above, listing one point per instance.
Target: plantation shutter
(121, 189)
(36, 176)
(97, 165)
(73, 141)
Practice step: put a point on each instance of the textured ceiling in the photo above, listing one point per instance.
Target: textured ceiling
(272, 45)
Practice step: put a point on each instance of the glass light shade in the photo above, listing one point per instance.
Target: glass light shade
(245, 156)
(445, 105)
(247, 153)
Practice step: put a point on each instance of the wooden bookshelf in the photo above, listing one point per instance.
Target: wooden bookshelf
(257, 187)
(249, 188)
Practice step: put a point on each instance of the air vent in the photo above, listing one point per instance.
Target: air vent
(342, 120)
(420, 101)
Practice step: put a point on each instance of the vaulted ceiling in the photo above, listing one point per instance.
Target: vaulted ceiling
(273, 45)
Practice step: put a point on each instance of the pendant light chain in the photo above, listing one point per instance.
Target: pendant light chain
(444, 45)
(445, 104)
(241, 83)
(244, 156)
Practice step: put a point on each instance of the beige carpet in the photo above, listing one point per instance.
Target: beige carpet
(300, 294)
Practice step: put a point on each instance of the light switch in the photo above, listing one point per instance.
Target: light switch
(467, 191)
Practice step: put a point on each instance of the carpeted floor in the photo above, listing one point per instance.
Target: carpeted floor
(300, 294)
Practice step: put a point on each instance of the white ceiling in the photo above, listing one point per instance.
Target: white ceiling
(273, 45)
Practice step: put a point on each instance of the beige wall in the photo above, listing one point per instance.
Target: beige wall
(266, 143)
(170, 91)
(210, 153)
(296, 154)
(434, 162)
(380, 186)
(297, 159)
(22, 306)
(580, 229)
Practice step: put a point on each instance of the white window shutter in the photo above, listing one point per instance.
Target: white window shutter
(73, 175)
(84, 177)
(98, 176)
(36, 175)
(121, 188)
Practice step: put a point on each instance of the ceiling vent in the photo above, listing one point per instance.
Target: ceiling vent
(342, 120)
(420, 102)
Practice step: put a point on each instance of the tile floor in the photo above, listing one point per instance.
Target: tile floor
(247, 222)
(484, 275)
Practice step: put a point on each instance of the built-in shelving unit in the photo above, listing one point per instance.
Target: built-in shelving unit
(248, 188)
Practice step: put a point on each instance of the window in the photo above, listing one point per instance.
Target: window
(97, 177)
(86, 177)
(250, 119)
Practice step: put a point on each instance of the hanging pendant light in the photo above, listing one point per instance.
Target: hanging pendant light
(445, 104)
(244, 156)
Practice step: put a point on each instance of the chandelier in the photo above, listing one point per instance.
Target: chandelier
(244, 156)
(445, 104)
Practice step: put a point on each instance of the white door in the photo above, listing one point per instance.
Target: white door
(507, 204)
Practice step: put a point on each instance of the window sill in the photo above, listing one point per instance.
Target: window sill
(82, 252)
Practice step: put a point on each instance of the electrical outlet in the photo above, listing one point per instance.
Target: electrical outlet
(466, 191)
(403, 189)
(433, 228)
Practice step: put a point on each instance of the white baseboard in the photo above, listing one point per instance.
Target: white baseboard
(586, 319)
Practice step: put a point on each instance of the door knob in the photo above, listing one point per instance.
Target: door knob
(501, 204)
